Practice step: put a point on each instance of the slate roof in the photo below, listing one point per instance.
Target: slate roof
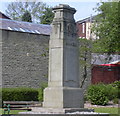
(3, 16)
(87, 19)
(98, 59)
(115, 62)
(27, 27)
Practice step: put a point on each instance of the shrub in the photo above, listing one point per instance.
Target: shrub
(19, 94)
(116, 101)
(96, 94)
(111, 92)
(100, 94)
(116, 84)
(41, 91)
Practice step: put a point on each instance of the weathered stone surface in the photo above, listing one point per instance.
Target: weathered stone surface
(15, 56)
(63, 84)
(63, 97)
(24, 59)
(59, 111)
(63, 48)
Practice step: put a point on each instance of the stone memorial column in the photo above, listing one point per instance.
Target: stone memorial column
(63, 83)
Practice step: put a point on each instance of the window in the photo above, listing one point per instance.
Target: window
(83, 28)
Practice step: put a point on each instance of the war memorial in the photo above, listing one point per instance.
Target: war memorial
(63, 96)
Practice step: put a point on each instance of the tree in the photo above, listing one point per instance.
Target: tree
(16, 10)
(47, 16)
(27, 17)
(85, 61)
(107, 27)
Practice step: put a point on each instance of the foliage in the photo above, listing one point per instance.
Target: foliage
(116, 84)
(85, 54)
(100, 94)
(16, 10)
(106, 27)
(47, 16)
(111, 92)
(12, 112)
(96, 94)
(19, 94)
(85, 48)
(41, 91)
(116, 101)
(23, 94)
(27, 17)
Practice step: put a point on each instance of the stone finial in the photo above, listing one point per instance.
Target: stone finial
(65, 7)
(64, 11)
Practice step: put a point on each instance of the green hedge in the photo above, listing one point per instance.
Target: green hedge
(19, 94)
(41, 91)
(100, 94)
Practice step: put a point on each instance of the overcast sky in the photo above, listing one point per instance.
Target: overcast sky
(84, 7)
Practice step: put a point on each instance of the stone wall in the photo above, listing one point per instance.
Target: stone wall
(24, 59)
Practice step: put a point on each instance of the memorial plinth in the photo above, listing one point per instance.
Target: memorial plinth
(63, 82)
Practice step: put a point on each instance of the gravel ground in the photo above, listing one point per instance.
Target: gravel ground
(110, 104)
(86, 105)
(57, 113)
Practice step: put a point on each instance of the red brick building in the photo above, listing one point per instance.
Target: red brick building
(84, 27)
(106, 73)
(81, 26)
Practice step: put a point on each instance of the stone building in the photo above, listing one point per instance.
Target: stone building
(24, 52)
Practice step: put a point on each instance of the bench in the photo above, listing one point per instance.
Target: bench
(19, 105)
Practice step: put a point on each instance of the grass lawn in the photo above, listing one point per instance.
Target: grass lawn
(12, 111)
(110, 110)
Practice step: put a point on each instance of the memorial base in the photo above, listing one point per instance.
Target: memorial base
(63, 97)
(60, 111)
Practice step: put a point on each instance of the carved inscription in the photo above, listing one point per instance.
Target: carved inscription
(71, 30)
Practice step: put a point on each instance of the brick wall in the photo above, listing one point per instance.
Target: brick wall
(24, 59)
(105, 74)
(80, 30)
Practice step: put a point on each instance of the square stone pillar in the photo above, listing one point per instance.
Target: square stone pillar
(63, 89)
